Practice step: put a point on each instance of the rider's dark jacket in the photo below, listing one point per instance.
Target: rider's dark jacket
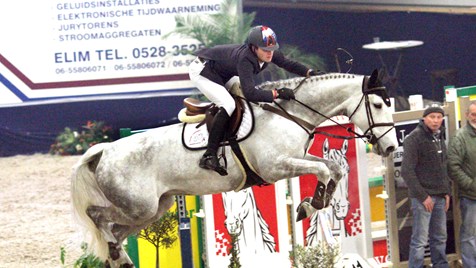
(226, 61)
(424, 164)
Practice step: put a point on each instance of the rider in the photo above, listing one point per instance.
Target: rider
(215, 66)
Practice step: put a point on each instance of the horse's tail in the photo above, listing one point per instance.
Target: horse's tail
(85, 192)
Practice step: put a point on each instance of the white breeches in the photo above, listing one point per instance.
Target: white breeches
(213, 91)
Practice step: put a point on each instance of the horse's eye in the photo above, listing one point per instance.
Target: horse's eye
(378, 105)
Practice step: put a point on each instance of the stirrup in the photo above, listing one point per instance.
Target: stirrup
(211, 162)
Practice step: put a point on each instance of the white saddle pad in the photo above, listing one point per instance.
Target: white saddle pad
(195, 137)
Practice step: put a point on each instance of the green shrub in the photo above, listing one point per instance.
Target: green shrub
(71, 142)
(86, 260)
(321, 256)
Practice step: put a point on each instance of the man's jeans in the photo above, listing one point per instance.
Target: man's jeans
(430, 225)
(468, 232)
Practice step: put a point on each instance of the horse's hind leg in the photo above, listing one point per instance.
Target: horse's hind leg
(105, 218)
(121, 232)
(117, 257)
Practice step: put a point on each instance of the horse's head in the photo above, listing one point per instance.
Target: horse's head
(237, 206)
(364, 101)
(372, 114)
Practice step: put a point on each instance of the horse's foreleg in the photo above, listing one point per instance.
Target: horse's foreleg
(293, 167)
(328, 173)
(326, 187)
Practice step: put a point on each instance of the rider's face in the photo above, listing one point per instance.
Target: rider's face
(263, 55)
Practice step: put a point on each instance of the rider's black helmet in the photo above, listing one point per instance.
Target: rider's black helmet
(262, 37)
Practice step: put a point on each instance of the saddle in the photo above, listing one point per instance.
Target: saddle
(203, 112)
(197, 117)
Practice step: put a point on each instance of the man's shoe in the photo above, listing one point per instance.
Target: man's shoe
(211, 162)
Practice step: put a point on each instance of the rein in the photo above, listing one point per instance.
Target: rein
(306, 126)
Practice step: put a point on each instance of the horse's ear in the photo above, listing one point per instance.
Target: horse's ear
(374, 77)
(380, 75)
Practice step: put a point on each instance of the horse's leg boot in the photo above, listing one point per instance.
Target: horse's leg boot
(319, 199)
(330, 190)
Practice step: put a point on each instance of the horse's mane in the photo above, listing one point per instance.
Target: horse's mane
(268, 239)
(294, 82)
(311, 233)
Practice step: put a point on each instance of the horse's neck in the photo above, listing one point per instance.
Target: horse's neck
(329, 94)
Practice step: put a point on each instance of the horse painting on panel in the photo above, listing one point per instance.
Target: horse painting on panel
(333, 216)
(244, 218)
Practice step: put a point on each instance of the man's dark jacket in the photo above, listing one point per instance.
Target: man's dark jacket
(226, 61)
(424, 168)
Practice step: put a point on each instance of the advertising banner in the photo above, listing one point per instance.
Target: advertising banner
(56, 48)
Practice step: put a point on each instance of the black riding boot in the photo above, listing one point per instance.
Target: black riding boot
(209, 159)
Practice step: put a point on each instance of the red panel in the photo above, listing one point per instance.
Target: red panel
(265, 199)
(309, 182)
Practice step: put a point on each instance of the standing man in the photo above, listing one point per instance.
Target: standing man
(424, 171)
(462, 169)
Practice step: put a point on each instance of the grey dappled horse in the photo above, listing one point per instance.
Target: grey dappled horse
(119, 188)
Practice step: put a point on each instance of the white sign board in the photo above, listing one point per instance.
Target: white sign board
(57, 48)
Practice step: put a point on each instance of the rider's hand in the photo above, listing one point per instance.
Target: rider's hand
(314, 72)
(285, 93)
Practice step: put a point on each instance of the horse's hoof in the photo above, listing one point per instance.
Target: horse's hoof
(301, 215)
(106, 264)
(304, 209)
(127, 265)
(113, 252)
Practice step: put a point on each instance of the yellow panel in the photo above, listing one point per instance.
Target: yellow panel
(192, 208)
(168, 257)
(377, 205)
(146, 254)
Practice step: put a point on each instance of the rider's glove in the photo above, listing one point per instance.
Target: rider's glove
(314, 73)
(285, 93)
